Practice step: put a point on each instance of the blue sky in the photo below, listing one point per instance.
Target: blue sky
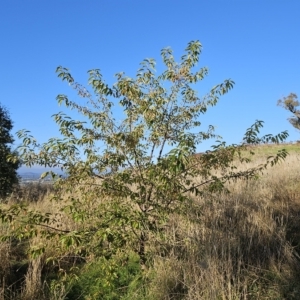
(254, 42)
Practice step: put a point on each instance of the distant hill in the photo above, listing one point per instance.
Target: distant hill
(29, 175)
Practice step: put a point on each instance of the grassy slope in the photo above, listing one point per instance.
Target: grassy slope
(266, 150)
(242, 245)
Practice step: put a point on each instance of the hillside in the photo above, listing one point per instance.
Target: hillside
(239, 245)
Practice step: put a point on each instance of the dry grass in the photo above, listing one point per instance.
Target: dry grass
(33, 280)
(242, 245)
(4, 267)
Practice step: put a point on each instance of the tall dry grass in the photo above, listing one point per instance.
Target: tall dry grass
(241, 245)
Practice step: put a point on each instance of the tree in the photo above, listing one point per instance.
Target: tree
(291, 103)
(125, 178)
(8, 169)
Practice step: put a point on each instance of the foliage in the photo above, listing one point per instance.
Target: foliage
(8, 169)
(112, 279)
(291, 103)
(125, 178)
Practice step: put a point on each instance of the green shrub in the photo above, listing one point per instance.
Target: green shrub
(108, 279)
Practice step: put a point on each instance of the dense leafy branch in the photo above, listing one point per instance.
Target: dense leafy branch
(8, 169)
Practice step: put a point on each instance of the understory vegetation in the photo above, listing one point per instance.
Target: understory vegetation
(139, 213)
(239, 245)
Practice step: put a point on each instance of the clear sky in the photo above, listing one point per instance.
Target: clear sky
(254, 42)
